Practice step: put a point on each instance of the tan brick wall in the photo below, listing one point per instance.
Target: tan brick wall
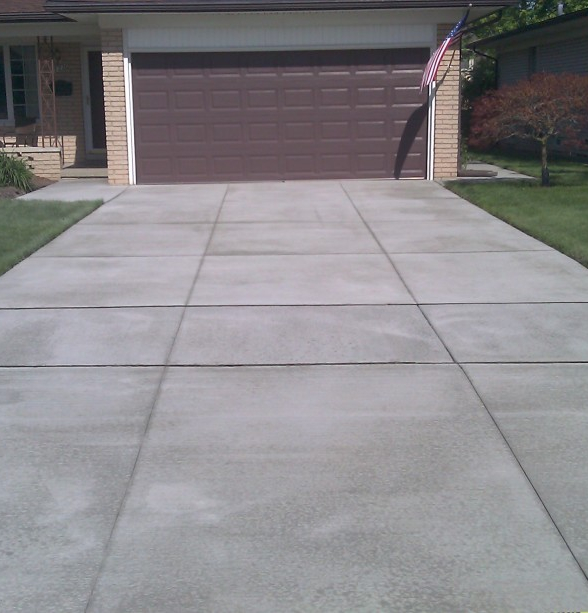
(114, 103)
(69, 109)
(44, 162)
(447, 101)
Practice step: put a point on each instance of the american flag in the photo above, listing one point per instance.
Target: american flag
(433, 64)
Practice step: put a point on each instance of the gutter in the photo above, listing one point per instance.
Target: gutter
(32, 18)
(219, 6)
(547, 23)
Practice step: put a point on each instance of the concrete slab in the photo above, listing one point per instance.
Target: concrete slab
(292, 489)
(366, 190)
(308, 335)
(542, 411)
(239, 211)
(384, 208)
(114, 281)
(540, 276)
(136, 240)
(78, 337)
(162, 204)
(285, 192)
(500, 174)
(359, 487)
(299, 201)
(298, 279)
(292, 238)
(169, 195)
(452, 236)
(72, 191)
(512, 332)
(68, 443)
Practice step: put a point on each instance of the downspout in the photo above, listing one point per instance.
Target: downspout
(497, 17)
(494, 59)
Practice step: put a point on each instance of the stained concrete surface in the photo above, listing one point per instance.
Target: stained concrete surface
(382, 469)
(299, 279)
(493, 277)
(512, 332)
(455, 235)
(293, 238)
(289, 335)
(98, 281)
(104, 240)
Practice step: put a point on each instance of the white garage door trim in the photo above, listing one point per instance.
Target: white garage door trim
(254, 32)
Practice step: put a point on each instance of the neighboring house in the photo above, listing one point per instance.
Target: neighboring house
(556, 45)
(185, 91)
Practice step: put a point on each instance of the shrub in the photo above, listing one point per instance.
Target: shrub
(14, 173)
(539, 109)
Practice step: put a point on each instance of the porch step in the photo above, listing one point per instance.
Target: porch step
(84, 173)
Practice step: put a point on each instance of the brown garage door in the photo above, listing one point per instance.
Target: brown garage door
(279, 115)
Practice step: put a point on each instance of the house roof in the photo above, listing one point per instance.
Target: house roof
(208, 6)
(16, 11)
(535, 29)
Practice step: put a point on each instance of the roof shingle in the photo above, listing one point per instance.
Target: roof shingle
(26, 10)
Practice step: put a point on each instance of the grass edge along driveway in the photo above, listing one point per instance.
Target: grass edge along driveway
(556, 215)
(27, 225)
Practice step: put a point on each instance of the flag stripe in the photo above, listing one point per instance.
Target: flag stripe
(430, 72)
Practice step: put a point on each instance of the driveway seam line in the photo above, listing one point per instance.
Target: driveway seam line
(282, 305)
(377, 240)
(527, 477)
(147, 427)
(504, 438)
(126, 189)
(293, 364)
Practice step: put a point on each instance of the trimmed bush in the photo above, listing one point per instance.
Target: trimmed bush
(14, 173)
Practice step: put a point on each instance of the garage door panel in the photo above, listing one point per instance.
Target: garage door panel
(301, 98)
(156, 134)
(373, 97)
(190, 165)
(249, 116)
(336, 131)
(262, 99)
(264, 132)
(155, 101)
(189, 100)
(190, 133)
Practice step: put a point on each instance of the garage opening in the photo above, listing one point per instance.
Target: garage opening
(279, 115)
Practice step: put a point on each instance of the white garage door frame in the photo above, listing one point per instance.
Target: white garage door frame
(275, 33)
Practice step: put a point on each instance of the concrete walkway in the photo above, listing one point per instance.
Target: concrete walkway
(293, 397)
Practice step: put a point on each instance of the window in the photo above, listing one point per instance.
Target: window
(19, 90)
(25, 94)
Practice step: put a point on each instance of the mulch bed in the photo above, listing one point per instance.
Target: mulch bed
(8, 192)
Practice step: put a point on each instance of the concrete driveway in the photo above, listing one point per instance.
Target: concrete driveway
(293, 397)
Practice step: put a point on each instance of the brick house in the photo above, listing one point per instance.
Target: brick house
(183, 91)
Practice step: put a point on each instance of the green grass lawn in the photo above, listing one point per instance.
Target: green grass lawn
(27, 225)
(556, 215)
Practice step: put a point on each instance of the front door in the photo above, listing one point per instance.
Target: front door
(94, 95)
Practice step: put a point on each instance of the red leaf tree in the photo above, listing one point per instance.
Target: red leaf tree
(542, 108)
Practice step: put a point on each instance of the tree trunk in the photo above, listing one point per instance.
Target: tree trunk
(544, 169)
